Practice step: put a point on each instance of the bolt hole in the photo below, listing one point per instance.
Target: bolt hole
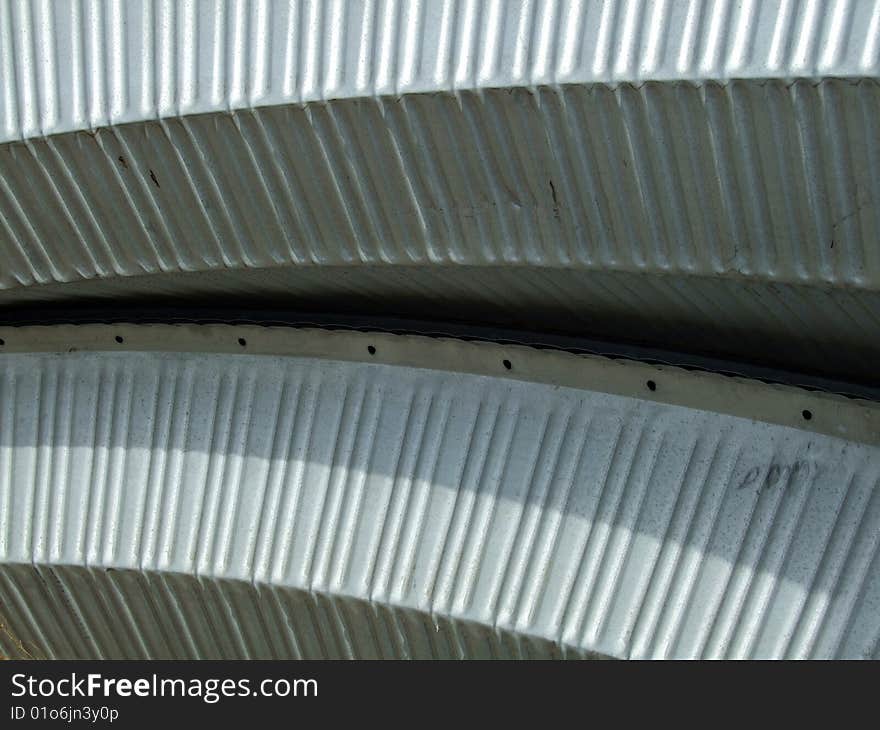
(371, 349)
(506, 364)
(119, 339)
(242, 341)
(652, 386)
(807, 415)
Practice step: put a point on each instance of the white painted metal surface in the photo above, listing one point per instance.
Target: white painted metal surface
(657, 171)
(696, 174)
(213, 504)
(69, 65)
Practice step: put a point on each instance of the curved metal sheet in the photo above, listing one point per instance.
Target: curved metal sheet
(662, 173)
(68, 65)
(422, 498)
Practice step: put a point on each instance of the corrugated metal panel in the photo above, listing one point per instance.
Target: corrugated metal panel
(602, 159)
(69, 65)
(136, 614)
(664, 172)
(740, 217)
(241, 505)
(756, 180)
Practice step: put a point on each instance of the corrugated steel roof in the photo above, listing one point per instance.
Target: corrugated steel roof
(694, 175)
(185, 503)
(67, 65)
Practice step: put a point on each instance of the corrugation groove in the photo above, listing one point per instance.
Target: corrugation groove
(164, 504)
